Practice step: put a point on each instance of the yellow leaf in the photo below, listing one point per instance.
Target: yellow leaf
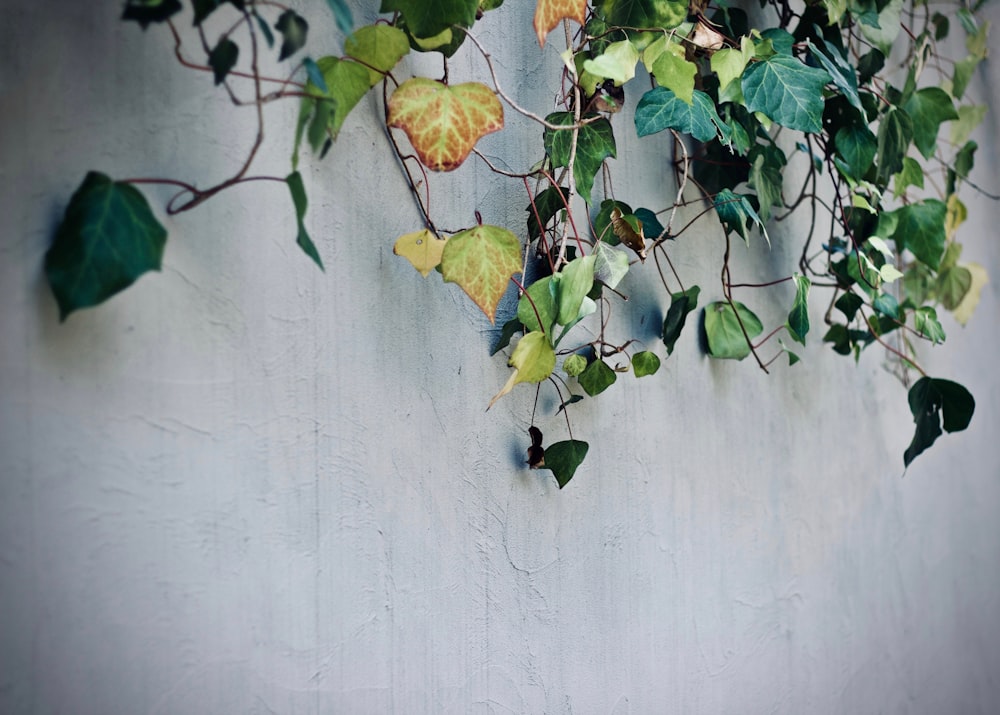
(481, 261)
(963, 311)
(533, 360)
(548, 14)
(421, 248)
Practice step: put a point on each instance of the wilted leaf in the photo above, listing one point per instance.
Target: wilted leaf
(421, 248)
(963, 311)
(628, 229)
(298, 191)
(444, 122)
(533, 360)
(481, 260)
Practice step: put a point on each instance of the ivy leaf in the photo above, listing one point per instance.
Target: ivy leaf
(610, 264)
(204, 8)
(629, 230)
(264, 28)
(736, 212)
(798, 318)
(444, 122)
(787, 92)
(536, 308)
(223, 58)
(597, 377)
(428, 18)
(573, 365)
(680, 305)
(294, 181)
(660, 109)
(595, 143)
(765, 177)
(969, 117)
(549, 13)
(342, 15)
(662, 14)
(963, 311)
(107, 239)
(533, 360)
(563, 459)
(147, 11)
(844, 76)
(912, 174)
(422, 249)
(953, 285)
(882, 31)
(573, 282)
(920, 229)
(729, 63)
(722, 329)
(928, 108)
(676, 73)
(616, 63)
(294, 29)
(935, 403)
(895, 132)
(379, 47)
(925, 322)
(481, 261)
(547, 203)
(645, 363)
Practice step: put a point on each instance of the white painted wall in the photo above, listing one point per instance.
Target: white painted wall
(244, 486)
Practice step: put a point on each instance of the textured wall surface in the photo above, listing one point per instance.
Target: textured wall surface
(244, 486)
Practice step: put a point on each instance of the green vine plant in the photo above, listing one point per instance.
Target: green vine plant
(858, 92)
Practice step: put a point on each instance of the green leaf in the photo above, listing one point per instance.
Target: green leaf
(843, 74)
(574, 364)
(264, 28)
(511, 328)
(597, 377)
(563, 458)
(856, 145)
(969, 117)
(935, 403)
(223, 58)
(660, 109)
(428, 18)
(548, 204)
(729, 63)
(925, 322)
(342, 14)
(616, 63)
(964, 70)
(680, 305)
(481, 260)
(645, 363)
(379, 47)
(736, 213)
(298, 190)
(107, 239)
(953, 285)
(766, 178)
(676, 73)
(722, 330)
(315, 74)
(533, 360)
(147, 11)
(895, 132)
(574, 282)
(912, 174)
(650, 224)
(920, 229)
(610, 264)
(883, 31)
(848, 304)
(927, 109)
(798, 318)
(595, 143)
(786, 91)
(348, 83)
(294, 29)
(663, 14)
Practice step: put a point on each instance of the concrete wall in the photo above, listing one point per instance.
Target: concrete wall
(244, 486)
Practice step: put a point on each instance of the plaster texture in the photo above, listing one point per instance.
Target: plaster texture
(246, 486)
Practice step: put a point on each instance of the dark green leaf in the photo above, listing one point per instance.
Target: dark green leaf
(650, 224)
(953, 285)
(928, 108)
(840, 70)
(920, 229)
(147, 11)
(563, 458)
(204, 8)
(595, 143)
(798, 318)
(886, 304)
(848, 304)
(511, 328)
(664, 14)
(680, 305)
(912, 174)
(298, 190)
(895, 132)
(716, 168)
(315, 74)
(723, 332)
(661, 109)
(597, 378)
(870, 65)
(428, 18)
(933, 401)
(342, 14)
(925, 322)
(787, 91)
(571, 400)
(265, 29)
(223, 58)
(645, 363)
(856, 145)
(106, 240)
(548, 204)
(736, 214)
(294, 29)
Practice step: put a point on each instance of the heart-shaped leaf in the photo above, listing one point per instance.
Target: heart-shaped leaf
(294, 29)
(533, 360)
(548, 14)
(722, 329)
(379, 47)
(564, 457)
(787, 91)
(936, 403)
(421, 248)
(442, 122)
(481, 260)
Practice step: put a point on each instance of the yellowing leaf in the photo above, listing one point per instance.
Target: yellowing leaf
(616, 63)
(963, 311)
(444, 122)
(675, 73)
(421, 248)
(955, 216)
(481, 260)
(533, 361)
(548, 13)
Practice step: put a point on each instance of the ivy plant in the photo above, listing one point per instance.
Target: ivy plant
(857, 93)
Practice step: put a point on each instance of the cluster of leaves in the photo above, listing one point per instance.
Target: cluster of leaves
(730, 105)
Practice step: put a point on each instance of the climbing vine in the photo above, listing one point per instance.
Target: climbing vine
(860, 93)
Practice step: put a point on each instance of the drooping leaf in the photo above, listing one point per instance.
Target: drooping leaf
(204, 8)
(315, 74)
(786, 91)
(549, 13)
(342, 14)
(882, 30)
(574, 282)
(481, 260)
(444, 122)
(378, 47)
(597, 377)
(937, 403)
(920, 229)
(953, 285)
(629, 230)
(660, 109)
(511, 328)
(298, 191)
(766, 178)
(107, 238)
(680, 305)
(798, 318)
(322, 114)
(422, 249)
(563, 458)
(595, 143)
(533, 360)
(729, 63)
(147, 11)
(736, 213)
(427, 18)
(970, 116)
(294, 29)
(645, 363)
(723, 332)
(223, 58)
(928, 108)
(264, 28)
